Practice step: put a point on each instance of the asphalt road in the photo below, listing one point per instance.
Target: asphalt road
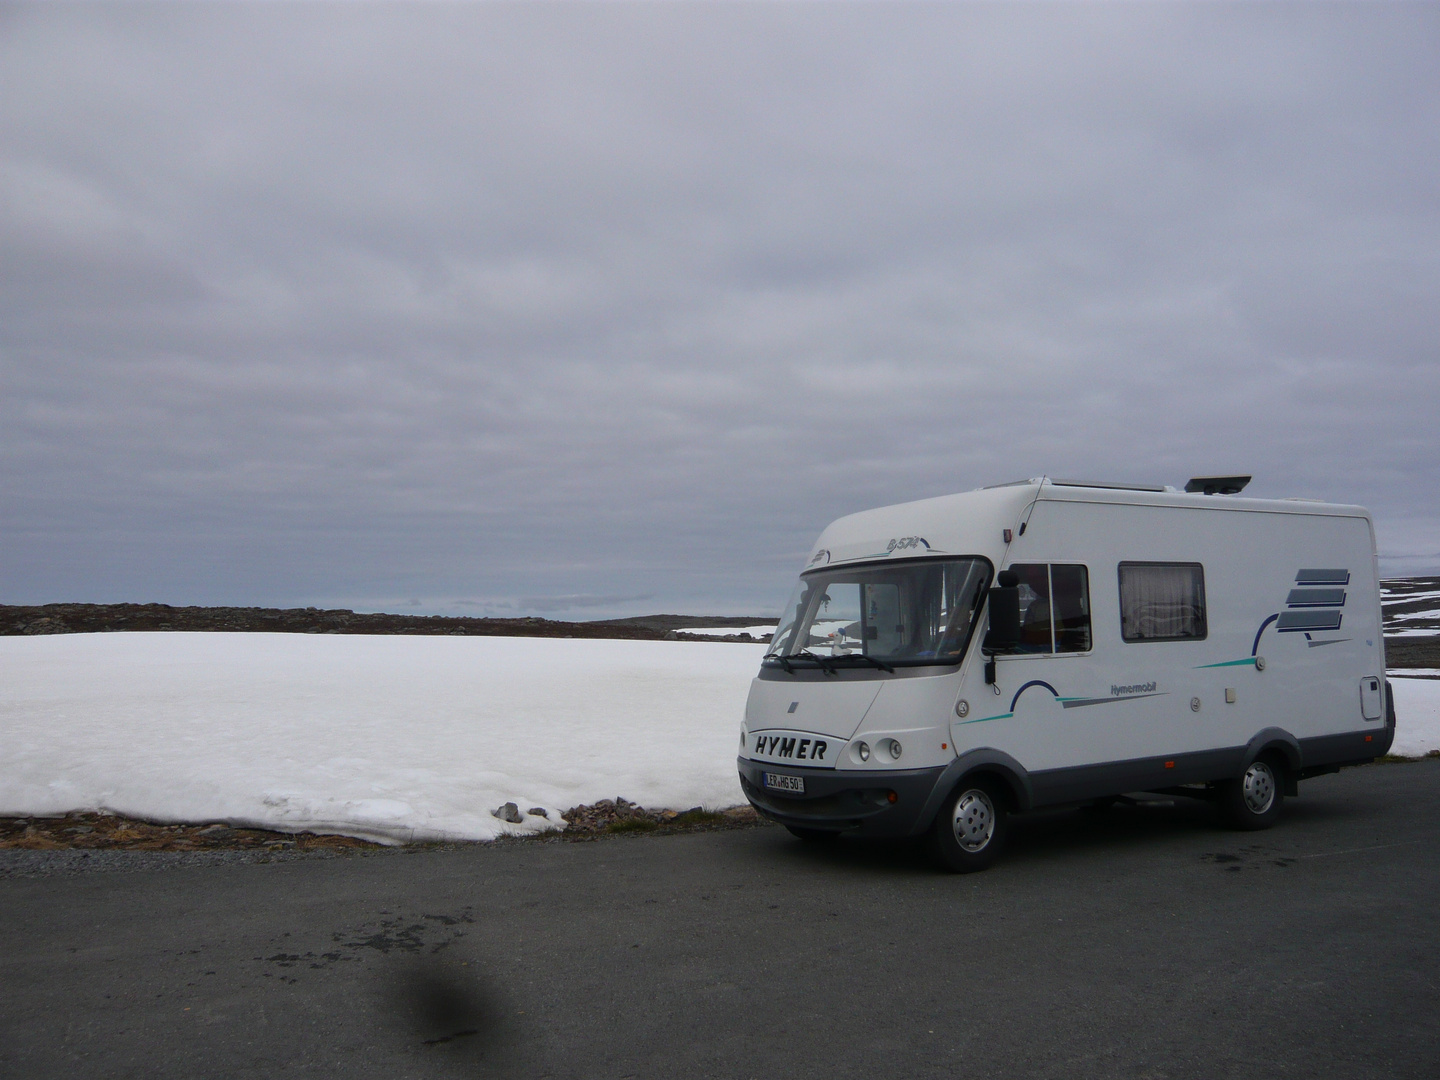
(1135, 942)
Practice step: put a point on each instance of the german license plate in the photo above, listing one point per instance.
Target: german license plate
(779, 782)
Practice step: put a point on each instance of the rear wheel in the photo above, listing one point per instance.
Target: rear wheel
(970, 831)
(1253, 801)
(813, 836)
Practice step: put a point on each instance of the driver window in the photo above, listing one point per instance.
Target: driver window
(1054, 608)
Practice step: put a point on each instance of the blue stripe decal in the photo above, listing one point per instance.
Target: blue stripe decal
(1032, 682)
(1227, 663)
(1256, 647)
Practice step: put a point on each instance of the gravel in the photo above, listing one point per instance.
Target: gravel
(22, 863)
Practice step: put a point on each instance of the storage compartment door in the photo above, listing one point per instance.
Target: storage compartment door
(1371, 705)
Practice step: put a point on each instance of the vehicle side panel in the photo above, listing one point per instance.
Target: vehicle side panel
(1125, 702)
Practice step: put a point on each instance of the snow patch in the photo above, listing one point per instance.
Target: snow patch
(1408, 616)
(1417, 715)
(762, 631)
(1389, 597)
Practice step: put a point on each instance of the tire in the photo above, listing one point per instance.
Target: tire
(971, 829)
(813, 836)
(1253, 801)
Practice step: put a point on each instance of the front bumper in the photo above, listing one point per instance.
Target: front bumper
(852, 801)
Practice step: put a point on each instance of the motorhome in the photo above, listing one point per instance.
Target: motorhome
(946, 663)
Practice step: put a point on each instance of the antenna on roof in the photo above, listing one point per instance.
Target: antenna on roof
(1217, 485)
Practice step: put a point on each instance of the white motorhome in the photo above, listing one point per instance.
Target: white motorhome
(946, 662)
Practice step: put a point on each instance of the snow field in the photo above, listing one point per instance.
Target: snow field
(387, 738)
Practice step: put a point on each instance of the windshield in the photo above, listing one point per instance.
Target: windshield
(916, 612)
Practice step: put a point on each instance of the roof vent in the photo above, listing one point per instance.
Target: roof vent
(1217, 485)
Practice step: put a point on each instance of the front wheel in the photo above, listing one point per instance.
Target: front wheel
(1253, 801)
(970, 831)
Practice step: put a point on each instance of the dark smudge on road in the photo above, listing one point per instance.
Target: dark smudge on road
(446, 1008)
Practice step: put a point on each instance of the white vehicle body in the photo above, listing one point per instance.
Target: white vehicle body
(1283, 655)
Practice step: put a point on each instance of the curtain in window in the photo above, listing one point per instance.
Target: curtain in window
(1160, 601)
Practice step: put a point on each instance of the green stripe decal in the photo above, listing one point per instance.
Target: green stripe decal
(1227, 663)
(997, 716)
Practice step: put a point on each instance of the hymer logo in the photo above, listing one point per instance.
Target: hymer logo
(792, 747)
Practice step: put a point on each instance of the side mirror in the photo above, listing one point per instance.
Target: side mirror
(1004, 632)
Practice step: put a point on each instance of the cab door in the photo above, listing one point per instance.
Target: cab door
(1045, 677)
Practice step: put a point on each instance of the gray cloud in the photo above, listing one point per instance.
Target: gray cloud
(509, 304)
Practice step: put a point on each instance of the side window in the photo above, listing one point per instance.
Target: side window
(1162, 601)
(1054, 608)
(1034, 608)
(1070, 603)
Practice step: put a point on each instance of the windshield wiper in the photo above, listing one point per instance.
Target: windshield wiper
(825, 664)
(828, 663)
(870, 660)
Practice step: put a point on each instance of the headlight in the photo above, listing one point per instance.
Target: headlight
(742, 738)
(863, 749)
(895, 749)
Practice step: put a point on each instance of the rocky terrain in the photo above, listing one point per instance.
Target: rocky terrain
(1412, 606)
(90, 831)
(1412, 652)
(105, 831)
(96, 618)
(622, 816)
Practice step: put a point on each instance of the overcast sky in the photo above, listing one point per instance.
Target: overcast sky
(584, 310)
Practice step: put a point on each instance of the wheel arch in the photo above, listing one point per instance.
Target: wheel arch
(984, 761)
(1275, 741)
